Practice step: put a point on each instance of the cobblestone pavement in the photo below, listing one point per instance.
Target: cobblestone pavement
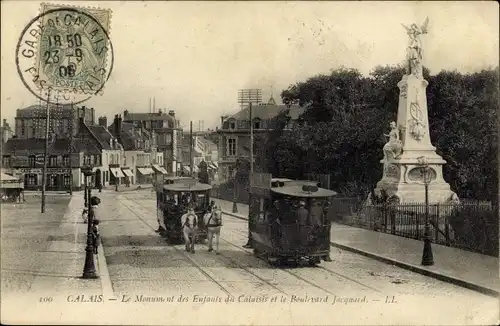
(139, 261)
(146, 274)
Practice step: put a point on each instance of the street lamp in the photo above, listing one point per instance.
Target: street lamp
(427, 256)
(89, 271)
(248, 96)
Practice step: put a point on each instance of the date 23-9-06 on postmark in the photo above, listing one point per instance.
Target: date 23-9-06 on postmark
(65, 53)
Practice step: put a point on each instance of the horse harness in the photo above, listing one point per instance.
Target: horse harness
(195, 224)
(210, 219)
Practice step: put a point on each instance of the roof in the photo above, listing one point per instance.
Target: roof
(129, 134)
(295, 190)
(187, 187)
(38, 111)
(147, 116)
(268, 111)
(102, 135)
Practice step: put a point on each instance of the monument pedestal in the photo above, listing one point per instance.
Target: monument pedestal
(403, 178)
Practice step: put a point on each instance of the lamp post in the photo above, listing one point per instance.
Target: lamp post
(89, 271)
(249, 96)
(427, 256)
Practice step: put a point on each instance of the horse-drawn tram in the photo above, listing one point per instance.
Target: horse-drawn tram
(289, 220)
(174, 198)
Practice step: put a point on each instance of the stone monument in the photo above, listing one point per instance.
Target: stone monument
(409, 138)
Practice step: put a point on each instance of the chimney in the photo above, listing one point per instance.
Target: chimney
(171, 113)
(93, 116)
(125, 113)
(103, 121)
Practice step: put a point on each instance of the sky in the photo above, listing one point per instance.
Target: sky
(193, 57)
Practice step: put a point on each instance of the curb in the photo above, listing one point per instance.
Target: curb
(407, 266)
(107, 286)
(421, 270)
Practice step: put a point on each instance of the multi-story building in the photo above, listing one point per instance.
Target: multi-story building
(203, 150)
(167, 132)
(234, 133)
(67, 152)
(140, 156)
(31, 121)
(6, 132)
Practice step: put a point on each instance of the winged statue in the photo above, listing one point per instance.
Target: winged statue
(414, 53)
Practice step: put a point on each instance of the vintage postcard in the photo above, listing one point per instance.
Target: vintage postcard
(249, 163)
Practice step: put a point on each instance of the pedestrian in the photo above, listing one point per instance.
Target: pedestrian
(85, 215)
(302, 214)
(213, 222)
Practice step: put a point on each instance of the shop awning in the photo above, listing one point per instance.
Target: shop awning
(10, 182)
(159, 169)
(188, 169)
(145, 171)
(117, 172)
(212, 166)
(127, 172)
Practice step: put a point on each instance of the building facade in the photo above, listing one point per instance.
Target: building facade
(234, 133)
(74, 145)
(6, 132)
(167, 131)
(141, 159)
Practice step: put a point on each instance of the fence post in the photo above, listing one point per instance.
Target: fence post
(417, 217)
(436, 231)
(447, 225)
(393, 218)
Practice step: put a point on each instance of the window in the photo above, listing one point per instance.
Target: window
(230, 172)
(256, 124)
(231, 147)
(232, 124)
(31, 161)
(6, 161)
(67, 180)
(66, 160)
(30, 179)
(98, 160)
(92, 160)
(124, 160)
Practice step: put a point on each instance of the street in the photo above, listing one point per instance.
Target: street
(145, 274)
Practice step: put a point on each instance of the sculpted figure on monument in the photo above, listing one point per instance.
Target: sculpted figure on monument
(392, 149)
(414, 49)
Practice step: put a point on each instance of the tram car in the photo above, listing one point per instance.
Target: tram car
(289, 220)
(173, 199)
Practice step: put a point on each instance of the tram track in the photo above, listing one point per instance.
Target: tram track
(180, 252)
(232, 261)
(244, 234)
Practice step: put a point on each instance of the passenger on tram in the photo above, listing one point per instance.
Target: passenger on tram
(302, 214)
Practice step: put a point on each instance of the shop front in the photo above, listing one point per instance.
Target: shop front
(116, 176)
(145, 175)
(129, 176)
(58, 179)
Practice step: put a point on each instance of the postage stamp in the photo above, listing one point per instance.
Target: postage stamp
(70, 53)
(73, 48)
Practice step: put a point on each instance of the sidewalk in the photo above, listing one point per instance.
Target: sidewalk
(122, 188)
(460, 267)
(61, 265)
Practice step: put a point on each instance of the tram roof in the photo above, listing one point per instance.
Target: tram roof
(296, 190)
(187, 187)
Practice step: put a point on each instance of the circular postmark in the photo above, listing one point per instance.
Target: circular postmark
(65, 55)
